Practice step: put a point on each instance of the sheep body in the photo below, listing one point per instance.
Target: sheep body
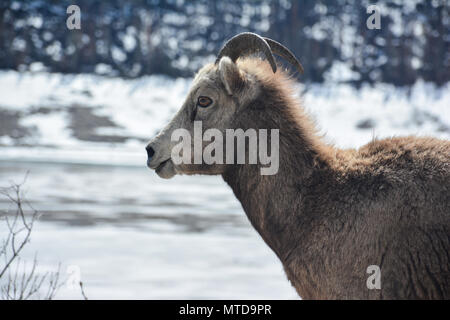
(331, 213)
(328, 214)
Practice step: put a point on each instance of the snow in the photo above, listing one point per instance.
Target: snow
(131, 233)
(52, 129)
(133, 237)
(423, 111)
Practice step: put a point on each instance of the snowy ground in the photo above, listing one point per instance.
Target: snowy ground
(134, 235)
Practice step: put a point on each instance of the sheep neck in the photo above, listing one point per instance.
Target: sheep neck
(274, 203)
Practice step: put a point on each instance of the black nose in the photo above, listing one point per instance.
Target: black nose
(150, 152)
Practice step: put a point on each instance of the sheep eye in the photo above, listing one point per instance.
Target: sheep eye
(204, 102)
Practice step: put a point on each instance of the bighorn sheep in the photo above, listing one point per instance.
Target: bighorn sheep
(328, 213)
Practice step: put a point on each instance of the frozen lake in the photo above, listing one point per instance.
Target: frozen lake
(135, 236)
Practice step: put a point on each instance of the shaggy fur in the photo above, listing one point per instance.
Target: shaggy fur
(329, 213)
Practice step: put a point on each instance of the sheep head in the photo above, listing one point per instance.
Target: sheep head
(220, 92)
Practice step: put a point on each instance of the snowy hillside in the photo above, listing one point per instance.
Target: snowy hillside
(94, 119)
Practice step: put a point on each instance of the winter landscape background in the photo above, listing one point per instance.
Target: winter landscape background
(77, 108)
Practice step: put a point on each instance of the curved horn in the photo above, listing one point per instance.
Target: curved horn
(284, 52)
(244, 44)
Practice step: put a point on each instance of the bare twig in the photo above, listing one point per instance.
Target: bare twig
(20, 283)
(16, 246)
(82, 291)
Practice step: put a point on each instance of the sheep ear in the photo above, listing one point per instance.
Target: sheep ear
(230, 75)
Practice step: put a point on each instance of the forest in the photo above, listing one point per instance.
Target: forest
(132, 38)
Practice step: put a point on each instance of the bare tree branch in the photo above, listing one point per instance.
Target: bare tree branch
(22, 283)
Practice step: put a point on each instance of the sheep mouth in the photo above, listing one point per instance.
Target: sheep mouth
(161, 165)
